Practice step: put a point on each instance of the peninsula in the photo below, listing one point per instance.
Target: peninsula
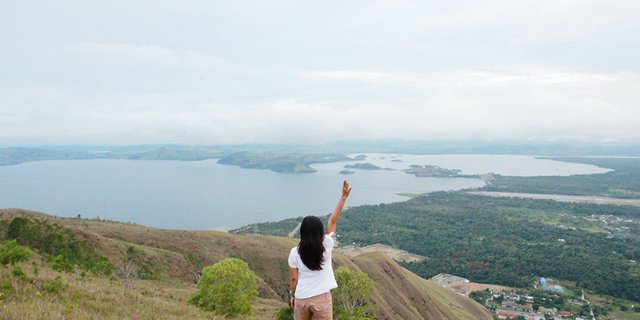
(280, 162)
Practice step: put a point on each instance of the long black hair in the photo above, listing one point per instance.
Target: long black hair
(310, 247)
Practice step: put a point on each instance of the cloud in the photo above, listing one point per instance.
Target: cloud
(472, 77)
(278, 71)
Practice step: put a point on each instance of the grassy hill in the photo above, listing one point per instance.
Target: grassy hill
(154, 272)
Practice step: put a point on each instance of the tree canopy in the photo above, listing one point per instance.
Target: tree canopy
(227, 288)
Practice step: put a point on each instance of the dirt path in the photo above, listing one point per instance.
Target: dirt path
(292, 234)
(393, 253)
(464, 286)
(561, 198)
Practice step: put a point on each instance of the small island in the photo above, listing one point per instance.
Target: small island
(347, 171)
(433, 171)
(362, 166)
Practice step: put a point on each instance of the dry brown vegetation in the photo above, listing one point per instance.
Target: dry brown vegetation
(173, 259)
(464, 286)
(95, 297)
(391, 252)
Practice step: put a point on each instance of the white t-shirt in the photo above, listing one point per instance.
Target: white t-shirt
(314, 282)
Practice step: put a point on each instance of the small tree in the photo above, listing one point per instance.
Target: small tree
(226, 288)
(11, 253)
(353, 295)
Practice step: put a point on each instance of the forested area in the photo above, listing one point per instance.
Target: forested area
(623, 182)
(501, 240)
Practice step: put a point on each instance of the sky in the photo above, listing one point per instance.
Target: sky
(232, 72)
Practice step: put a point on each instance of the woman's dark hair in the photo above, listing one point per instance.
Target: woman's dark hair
(310, 247)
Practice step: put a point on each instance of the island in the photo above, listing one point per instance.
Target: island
(433, 171)
(363, 166)
(280, 162)
(347, 171)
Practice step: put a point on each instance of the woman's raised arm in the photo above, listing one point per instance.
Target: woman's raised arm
(346, 190)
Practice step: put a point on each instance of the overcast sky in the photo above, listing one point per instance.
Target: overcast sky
(213, 72)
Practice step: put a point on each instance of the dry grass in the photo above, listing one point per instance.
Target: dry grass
(94, 297)
(393, 253)
(401, 294)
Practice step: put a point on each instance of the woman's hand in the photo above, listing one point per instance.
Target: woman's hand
(346, 190)
(333, 219)
(292, 302)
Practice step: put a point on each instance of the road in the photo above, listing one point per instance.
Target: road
(292, 234)
(561, 197)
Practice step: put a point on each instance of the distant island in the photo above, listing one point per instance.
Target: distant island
(280, 162)
(347, 172)
(363, 166)
(17, 155)
(360, 157)
(433, 171)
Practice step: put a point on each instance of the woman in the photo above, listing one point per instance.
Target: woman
(311, 268)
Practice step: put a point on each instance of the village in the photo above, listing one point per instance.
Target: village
(545, 300)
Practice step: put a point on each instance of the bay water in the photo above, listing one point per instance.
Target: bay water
(206, 195)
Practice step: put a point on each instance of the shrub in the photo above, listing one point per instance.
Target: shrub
(21, 229)
(353, 295)
(18, 273)
(54, 240)
(102, 267)
(226, 288)
(60, 263)
(55, 285)
(11, 252)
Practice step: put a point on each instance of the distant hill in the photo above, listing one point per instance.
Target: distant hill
(16, 155)
(167, 263)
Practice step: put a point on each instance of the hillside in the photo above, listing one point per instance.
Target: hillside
(155, 270)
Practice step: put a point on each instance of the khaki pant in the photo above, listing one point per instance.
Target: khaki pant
(318, 307)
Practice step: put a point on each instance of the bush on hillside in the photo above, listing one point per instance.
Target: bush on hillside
(56, 285)
(60, 263)
(353, 296)
(18, 273)
(227, 288)
(57, 241)
(11, 253)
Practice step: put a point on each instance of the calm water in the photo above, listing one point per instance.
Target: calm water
(205, 195)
